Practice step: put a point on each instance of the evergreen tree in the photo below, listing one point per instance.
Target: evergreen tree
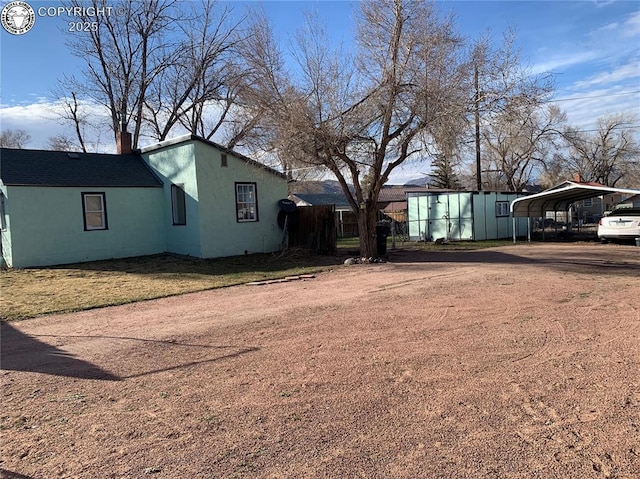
(444, 175)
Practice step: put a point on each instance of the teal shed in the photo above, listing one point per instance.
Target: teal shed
(461, 215)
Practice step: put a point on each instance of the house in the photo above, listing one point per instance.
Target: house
(187, 196)
(590, 210)
(315, 193)
(630, 202)
(392, 202)
(461, 215)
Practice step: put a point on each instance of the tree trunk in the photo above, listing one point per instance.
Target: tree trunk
(367, 216)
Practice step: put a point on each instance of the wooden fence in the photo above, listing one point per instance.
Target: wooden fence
(315, 229)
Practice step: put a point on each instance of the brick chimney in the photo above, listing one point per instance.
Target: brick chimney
(577, 178)
(123, 143)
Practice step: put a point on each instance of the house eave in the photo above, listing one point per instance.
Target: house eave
(74, 185)
(189, 137)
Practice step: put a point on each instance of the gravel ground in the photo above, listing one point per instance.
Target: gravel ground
(512, 362)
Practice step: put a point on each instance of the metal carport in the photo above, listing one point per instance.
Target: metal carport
(558, 198)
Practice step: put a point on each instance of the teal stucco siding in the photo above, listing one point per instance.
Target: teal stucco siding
(212, 229)
(175, 164)
(46, 226)
(222, 233)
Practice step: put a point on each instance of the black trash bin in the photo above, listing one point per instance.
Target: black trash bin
(382, 233)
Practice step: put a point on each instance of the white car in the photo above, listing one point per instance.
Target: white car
(620, 224)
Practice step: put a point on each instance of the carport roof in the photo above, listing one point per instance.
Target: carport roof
(558, 198)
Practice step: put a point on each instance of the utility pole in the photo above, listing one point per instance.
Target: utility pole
(476, 82)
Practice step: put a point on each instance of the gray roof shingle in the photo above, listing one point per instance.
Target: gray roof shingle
(20, 167)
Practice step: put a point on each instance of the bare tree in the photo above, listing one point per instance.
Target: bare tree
(362, 115)
(610, 155)
(199, 88)
(553, 172)
(509, 113)
(123, 55)
(67, 110)
(62, 143)
(160, 66)
(518, 142)
(14, 138)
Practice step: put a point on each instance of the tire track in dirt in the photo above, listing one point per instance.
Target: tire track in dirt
(399, 284)
(554, 345)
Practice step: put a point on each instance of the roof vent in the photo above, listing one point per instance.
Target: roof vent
(75, 156)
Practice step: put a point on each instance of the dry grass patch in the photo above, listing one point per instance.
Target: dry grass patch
(27, 293)
(32, 292)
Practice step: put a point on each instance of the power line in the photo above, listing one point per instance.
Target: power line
(593, 96)
(626, 127)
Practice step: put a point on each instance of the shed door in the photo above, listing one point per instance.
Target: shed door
(438, 222)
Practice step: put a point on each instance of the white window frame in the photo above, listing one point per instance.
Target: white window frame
(246, 202)
(502, 209)
(102, 211)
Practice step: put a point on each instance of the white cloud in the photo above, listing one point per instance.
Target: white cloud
(609, 43)
(564, 60)
(631, 27)
(603, 3)
(583, 110)
(36, 119)
(610, 27)
(41, 121)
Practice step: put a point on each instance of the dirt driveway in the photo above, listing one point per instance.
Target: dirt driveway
(514, 362)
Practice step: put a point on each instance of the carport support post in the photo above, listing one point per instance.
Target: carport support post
(513, 228)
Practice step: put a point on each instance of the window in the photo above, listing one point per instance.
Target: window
(246, 202)
(178, 205)
(3, 221)
(94, 210)
(502, 208)
(223, 160)
(587, 203)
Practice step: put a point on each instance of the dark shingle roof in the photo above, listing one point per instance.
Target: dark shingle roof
(390, 193)
(59, 168)
(315, 199)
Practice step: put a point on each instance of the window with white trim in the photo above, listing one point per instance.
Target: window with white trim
(178, 205)
(246, 202)
(94, 211)
(502, 208)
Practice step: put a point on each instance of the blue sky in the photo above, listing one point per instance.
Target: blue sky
(592, 47)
